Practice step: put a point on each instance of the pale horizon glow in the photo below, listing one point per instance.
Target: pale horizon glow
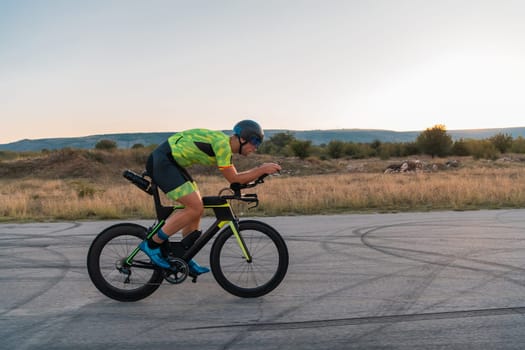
(70, 69)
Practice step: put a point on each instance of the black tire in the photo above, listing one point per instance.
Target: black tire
(106, 255)
(249, 279)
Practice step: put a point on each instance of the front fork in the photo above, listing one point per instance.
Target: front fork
(240, 240)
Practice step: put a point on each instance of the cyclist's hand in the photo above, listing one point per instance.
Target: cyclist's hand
(271, 168)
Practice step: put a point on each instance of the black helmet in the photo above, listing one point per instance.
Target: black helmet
(249, 130)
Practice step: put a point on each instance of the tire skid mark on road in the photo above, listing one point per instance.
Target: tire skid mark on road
(410, 297)
(425, 256)
(73, 226)
(504, 217)
(51, 282)
(38, 266)
(47, 234)
(39, 334)
(359, 321)
(321, 240)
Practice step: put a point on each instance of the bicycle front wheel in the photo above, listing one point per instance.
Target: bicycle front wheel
(109, 273)
(261, 275)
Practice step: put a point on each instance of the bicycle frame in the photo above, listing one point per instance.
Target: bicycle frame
(224, 216)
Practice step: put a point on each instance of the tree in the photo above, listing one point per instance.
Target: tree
(336, 149)
(277, 144)
(435, 141)
(301, 149)
(503, 142)
(106, 145)
(281, 139)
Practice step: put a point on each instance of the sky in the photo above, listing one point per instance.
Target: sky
(78, 68)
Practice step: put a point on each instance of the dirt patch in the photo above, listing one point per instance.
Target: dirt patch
(67, 163)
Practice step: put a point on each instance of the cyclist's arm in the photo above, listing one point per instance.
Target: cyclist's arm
(231, 174)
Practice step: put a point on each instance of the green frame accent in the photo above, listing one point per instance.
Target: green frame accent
(135, 251)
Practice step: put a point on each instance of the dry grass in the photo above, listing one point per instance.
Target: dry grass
(459, 190)
(462, 189)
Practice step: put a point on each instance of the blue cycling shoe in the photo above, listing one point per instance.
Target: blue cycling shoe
(155, 255)
(196, 269)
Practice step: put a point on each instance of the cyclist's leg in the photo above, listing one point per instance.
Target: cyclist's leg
(194, 226)
(187, 219)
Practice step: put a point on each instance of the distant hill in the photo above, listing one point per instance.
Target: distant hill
(317, 137)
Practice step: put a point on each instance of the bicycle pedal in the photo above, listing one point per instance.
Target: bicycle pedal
(193, 277)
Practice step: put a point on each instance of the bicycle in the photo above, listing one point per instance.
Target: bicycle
(249, 258)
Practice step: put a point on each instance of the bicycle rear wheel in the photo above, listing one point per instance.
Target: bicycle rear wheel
(105, 263)
(249, 279)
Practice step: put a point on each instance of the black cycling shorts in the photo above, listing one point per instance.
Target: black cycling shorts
(171, 178)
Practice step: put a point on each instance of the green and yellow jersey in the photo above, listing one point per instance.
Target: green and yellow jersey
(201, 146)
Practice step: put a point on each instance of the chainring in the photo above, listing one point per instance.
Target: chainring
(179, 271)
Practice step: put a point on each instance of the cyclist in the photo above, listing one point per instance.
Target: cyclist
(167, 167)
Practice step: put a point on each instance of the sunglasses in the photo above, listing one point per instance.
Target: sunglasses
(255, 141)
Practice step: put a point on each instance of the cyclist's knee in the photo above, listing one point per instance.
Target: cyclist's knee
(193, 205)
(195, 210)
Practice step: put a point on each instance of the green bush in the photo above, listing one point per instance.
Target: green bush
(335, 149)
(483, 149)
(460, 148)
(518, 145)
(503, 142)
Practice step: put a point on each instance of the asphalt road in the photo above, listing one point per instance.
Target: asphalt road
(442, 280)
